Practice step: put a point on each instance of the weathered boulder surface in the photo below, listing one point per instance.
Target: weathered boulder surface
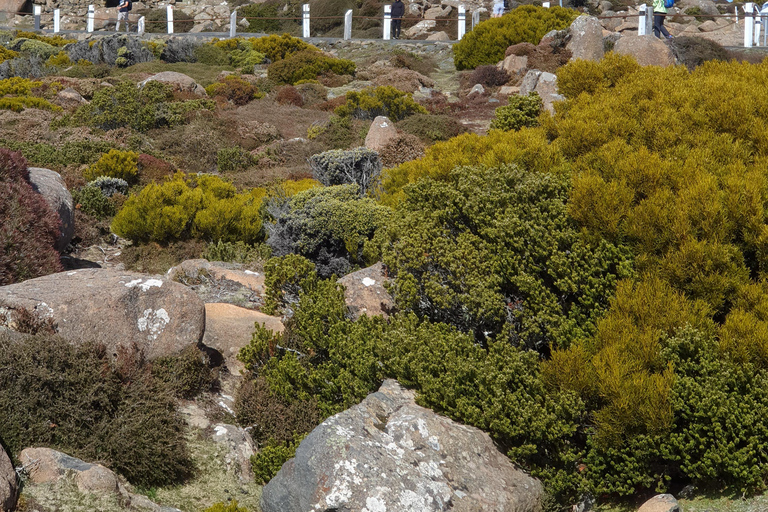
(365, 294)
(387, 453)
(45, 465)
(221, 282)
(647, 50)
(9, 486)
(381, 133)
(155, 315)
(50, 185)
(586, 40)
(229, 328)
(661, 503)
(514, 64)
(239, 449)
(179, 81)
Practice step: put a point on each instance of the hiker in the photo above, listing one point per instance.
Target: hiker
(498, 9)
(398, 10)
(659, 13)
(122, 14)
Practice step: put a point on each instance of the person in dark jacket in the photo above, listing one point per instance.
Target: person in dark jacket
(398, 10)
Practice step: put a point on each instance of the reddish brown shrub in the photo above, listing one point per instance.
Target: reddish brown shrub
(234, 89)
(544, 58)
(289, 95)
(153, 169)
(489, 76)
(29, 229)
(402, 149)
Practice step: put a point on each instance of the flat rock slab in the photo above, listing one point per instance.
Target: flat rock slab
(661, 503)
(229, 328)
(221, 282)
(365, 294)
(155, 315)
(387, 453)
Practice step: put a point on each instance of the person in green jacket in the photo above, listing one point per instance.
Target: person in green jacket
(659, 13)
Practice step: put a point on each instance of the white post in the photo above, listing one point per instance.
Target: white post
(305, 21)
(56, 21)
(141, 26)
(232, 24)
(169, 18)
(348, 25)
(736, 12)
(475, 19)
(462, 21)
(38, 10)
(641, 21)
(89, 25)
(749, 25)
(545, 5)
(387, 22)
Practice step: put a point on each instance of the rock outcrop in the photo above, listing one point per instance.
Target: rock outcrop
(545, 84)
(365, 294)
(381, 133)
(50, 185)
(179, 81)
(155, 315)
(239, 449)
(9, 485)
(646, 50)
(586, 39)
(387, 453)
(221, 282)
(661, 503)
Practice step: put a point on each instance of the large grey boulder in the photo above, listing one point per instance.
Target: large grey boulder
(647, 50)
(9, 486)
(239, 448)
(178, 81)
(221, 282)
(586, 39)
(155, 315)
(387, 453)
(53, 189)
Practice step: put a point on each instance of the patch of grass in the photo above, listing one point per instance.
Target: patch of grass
(203, 74)
(64, 495)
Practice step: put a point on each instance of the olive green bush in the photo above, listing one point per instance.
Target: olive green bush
(92, 201)
(360, 166)
(521, 111)
(232, 506)
(432, 128)
(307, 65)
(328, 225)
(279, 47)
(270, 459)
(252, 12)
(17, 94)
(68, 153)
(486, 43)
(186, 374)
(204, 207)
(115, 164)
(380, 101)
(74, 399)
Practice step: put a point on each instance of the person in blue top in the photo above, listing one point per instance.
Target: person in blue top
(659, 13)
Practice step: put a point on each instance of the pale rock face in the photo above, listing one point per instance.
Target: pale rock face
(52, 187)
(239, 449)
(389, 454)
(586, 40)
(9, 486)
(380, 134)
(661, 503)
(365, 292)
(647, 50)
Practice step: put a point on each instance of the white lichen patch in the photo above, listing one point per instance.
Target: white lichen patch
(226, 407)
(154, 322)
(72, 273)
(43, 310)
(434, 443)
(251, 272)
(430, 469)
(422, 426)
(376, 503)
(367, 281)
(344, 432)
(345, 477)
(413, 502)
(144, 285)
(220, 430)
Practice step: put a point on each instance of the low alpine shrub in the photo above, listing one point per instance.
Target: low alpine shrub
(380, 101)
(360, 166)
(115, 164)
(489, 76)
(307, 65)
(521, 111)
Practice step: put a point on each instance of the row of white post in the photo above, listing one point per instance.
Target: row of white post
(462, 21)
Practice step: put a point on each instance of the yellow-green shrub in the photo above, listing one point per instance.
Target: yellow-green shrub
(307, 65)
(384, 100)
(52, 40)
(205, 207)
(279, 47)
(16, 95)
(115, 164)
(488, 41)
(6, 54)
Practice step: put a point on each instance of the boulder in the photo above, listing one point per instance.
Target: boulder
(70, 97)
(661, 503)
(508, 90)
(387, 453)
(586, 39)
(179, 81)
(476, 90)
(381, 133)
(151, 314)
(221, 282)
(647, 50)
(707, 7)
(546, 87)
(54, 190)
(608, 22)
(239, 448)
(365, 294)
(44, 466)
(514, 64)
(709, 26)
(8, 7)
(529, 82)
(421, 28)
(441, 11)
(439, 36)
(9, 485)
(229, 328)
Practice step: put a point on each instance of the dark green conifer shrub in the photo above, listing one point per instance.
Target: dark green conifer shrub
(307, 65)
(92, 201)
(521, 111)
(486, 43)
(253, 13)
(432, 128)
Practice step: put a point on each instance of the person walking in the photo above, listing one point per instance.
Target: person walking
(122, 14)
(398, 10)
(498, 9)
(659, 13)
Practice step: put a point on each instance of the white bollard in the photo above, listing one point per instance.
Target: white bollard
(348, 25)
(89, 24)
(387, 22)
(475, 19)
(749, 25)
(169, 18)
(462, 21)
(545, 5)
(305, 21)
(141, 26)
(233, 24)
(736, 12)
(56, 21)
(37, 10)
(641, 20)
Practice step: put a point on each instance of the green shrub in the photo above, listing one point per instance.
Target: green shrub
(264, 10)
(36, 48)
(237, 252)
(29, 229)
(283, 278)
(432, 128)
(115, 164)
(307, 65)
(6, 54)
(16, 94)
(204, 207)
(592, 77)
(226, 507)
(74, 399)
(521, 111)
(60, 60)
(279, 47)
(211, 55)
(234, 89)
(270, 459)
(55, 40)
(187, 374)
(695, 51)
(69, 153)
(234, 159)
(486, 43)
(380, 101)
(360, 166)
(92, 201)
